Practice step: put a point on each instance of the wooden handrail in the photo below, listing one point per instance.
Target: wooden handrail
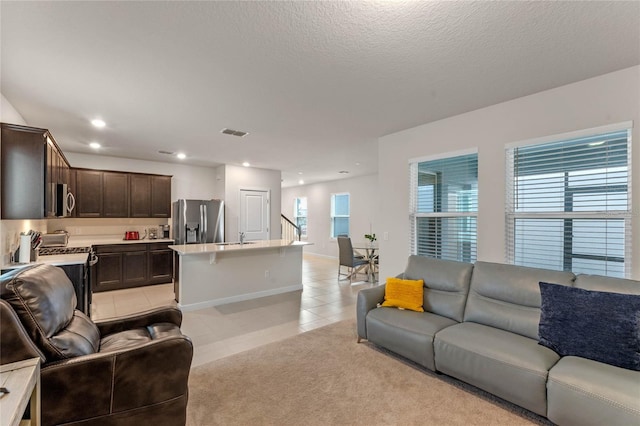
(289, 223)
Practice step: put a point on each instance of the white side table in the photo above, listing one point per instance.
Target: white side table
(22, 379)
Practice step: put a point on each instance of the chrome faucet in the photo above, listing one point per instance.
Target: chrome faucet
(242, 238)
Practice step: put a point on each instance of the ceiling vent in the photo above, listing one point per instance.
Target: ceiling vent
(165, 152)
(232, 132)
(344, 172)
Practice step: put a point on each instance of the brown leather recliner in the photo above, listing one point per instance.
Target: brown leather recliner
(127, 371)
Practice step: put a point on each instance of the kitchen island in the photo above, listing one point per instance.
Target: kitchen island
(216, 274)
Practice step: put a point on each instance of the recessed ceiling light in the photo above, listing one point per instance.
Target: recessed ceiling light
(94, 145)
(301, 182)
(98, 123)
(246, 164)
(181, 155)
(299, 173)
(357, 164)
(344, 172)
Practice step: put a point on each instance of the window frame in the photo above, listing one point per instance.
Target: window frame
(333, 216)
(438, 217)
(568, 215)
(303, 230)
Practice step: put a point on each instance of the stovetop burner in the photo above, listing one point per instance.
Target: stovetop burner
(47, 251)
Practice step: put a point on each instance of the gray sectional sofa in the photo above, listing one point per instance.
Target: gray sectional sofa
(480, 326)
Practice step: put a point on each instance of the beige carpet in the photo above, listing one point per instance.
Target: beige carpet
(323, 377)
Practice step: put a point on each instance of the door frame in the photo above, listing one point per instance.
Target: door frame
(258, 189)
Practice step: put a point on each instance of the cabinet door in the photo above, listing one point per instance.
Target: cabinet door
(160, 196)
(88, 193)
(115, 194)
(71, 181)
(23, 167)
(140, 193)
(134, 267)
(160, 266)
(108, 272)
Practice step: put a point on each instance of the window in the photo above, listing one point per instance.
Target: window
(300, 214)
(444, 207)
(569, 204)
(339, 214)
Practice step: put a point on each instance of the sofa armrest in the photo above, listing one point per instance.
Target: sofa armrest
(99, 385)
(15, 342)
(368, 299)
(153, 316)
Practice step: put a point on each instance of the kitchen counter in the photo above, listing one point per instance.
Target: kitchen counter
(96, 240)
(216, 274)
(187, 249)
(55, 260)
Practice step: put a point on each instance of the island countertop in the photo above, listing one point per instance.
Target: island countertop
(186, 249)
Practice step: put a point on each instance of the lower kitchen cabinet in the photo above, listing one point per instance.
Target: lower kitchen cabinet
(132, 265)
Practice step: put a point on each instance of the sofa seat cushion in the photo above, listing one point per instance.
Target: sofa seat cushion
(508, 365)
(137, 337)
(586, 392)
(406, 333)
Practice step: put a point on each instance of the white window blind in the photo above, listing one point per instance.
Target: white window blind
(444, 207)
(300, 214)
(569, 205)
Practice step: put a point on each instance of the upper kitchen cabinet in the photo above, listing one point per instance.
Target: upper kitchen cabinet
(160, 196)
(88, 193)
(33, 172)
(116, 194)
(119, 194)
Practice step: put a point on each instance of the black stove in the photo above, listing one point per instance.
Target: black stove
(47, 251)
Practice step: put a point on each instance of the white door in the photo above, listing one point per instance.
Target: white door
(254, 214)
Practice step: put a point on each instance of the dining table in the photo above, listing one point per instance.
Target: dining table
(369, 252)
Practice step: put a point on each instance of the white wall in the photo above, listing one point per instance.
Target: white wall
(191, 182)
(608, 99)
(8, 114)
(236, 178)
(364, 199)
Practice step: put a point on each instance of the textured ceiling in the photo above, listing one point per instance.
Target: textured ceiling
(314, 83)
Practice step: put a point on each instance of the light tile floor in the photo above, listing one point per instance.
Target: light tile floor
(224, 330)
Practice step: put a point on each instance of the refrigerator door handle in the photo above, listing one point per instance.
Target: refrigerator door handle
(205, 224)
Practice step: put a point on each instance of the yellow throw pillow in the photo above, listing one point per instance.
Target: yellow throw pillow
(404, 294)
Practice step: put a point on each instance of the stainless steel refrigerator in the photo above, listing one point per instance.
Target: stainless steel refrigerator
(198, 221)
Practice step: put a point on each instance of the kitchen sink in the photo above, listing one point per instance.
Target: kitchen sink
(235, 243)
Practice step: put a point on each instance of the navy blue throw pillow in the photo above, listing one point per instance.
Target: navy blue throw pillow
(596, 325)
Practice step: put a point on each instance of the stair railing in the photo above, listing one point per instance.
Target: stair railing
(289, 230)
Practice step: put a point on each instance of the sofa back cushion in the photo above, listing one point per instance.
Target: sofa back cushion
(614, 285)
(508, 296)
(446, 284)
(44, 299)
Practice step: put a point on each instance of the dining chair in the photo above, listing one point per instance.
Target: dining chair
(348, 259)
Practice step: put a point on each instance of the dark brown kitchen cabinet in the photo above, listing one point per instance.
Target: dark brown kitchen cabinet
(160, 263)
(140, 193)
(131, 265)
(160, 196)
(31, 166)
(121, 194)
(134, 267)
(89, 193)
(115, 193)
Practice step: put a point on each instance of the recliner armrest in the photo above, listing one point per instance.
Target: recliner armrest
(368, 299)
(101, 385)
(16, 344)
(153, 316)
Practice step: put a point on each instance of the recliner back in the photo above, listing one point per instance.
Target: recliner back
(44, 299)
(446, 284)
(508, 296)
